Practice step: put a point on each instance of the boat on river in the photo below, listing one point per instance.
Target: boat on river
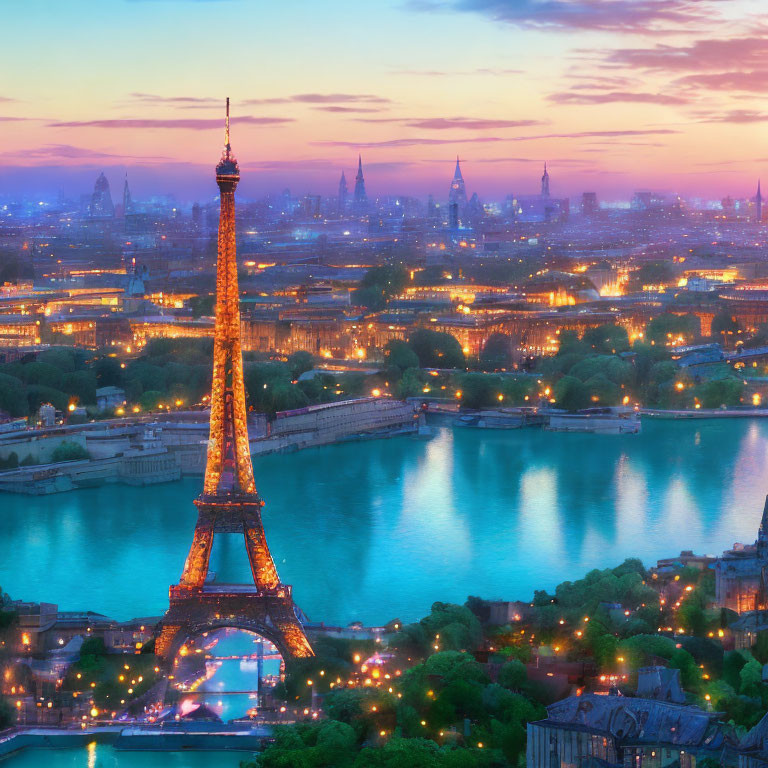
(603, 421)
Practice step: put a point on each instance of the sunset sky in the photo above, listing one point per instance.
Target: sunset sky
(616, 95)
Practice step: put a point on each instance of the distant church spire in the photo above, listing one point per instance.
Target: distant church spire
(360, 196)
(457, 193)
(127, 201)
(342, 193)
(545, 182)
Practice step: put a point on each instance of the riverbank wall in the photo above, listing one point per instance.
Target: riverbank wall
(145, 453)
(201, 737)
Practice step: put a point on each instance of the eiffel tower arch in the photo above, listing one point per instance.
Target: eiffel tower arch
(229, 502)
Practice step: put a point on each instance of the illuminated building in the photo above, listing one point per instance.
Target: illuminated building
(651, 729)
(230, 502)
(741, 573)
(19, 331)
(758, 204)
(162, 327)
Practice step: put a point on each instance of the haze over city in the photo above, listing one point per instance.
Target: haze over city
(616, 95)
(383, 385)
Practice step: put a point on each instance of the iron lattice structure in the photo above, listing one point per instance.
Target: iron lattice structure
(230, 502)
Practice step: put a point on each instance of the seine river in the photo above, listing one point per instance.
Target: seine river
(377, 530)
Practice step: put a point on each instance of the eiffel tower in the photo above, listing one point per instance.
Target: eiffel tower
(230, 502)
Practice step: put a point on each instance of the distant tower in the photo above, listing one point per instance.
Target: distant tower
(458, 193)
(453, 215)
(589, 204)
(545, 182)
(759, 204)
(342, 193)
(127, 202)
(432, 212)
(102, 206)
(361, 199)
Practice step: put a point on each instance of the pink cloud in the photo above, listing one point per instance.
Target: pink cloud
(70, 152)
(625, 16)
(755, 81)
(452, 123)
(701, 56)
(415, 142)
(736, 116)
(609, 97)
(336, 109)
(171, 123)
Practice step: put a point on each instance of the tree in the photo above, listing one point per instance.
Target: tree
(435, 349)
(497, 352)
(517, 388)
(13, 398)
(570, 343)
(400, 355)
(720, 392)
(692, 618)
(479, 390)
(724, 324)
(733, 662)
(662, 372)
(513, 675)
(44, 374)
(760, 649)
(601, 391)
(607, 339)
(690, 674)
(108, 372)
(80, 385)
(69, 451)
(412, 383)
(7, 714)
(570, 394)
(653, 273)
(611, 367)
(148, 375)
(751, 678)
(63, 359)
(379, 285)
(151, 399)
(202, 306)
(671, 329)
(300, 362)
(37, 394)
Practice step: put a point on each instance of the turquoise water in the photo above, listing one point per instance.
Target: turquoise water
(103, 756)
(381, 529)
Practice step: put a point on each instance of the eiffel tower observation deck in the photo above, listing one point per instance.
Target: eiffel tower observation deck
(230, 502)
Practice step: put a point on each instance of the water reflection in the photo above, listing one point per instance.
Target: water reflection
(381, 529)
(229, 673)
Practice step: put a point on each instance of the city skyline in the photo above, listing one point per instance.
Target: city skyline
(614, 95)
